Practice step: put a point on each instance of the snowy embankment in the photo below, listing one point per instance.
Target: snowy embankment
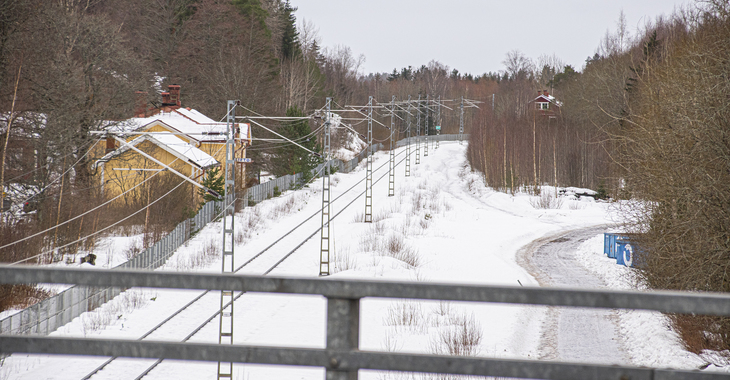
(443, 225)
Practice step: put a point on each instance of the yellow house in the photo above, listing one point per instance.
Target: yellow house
(180, 138)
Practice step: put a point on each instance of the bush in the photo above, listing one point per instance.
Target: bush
(676, 156)
(601, 192)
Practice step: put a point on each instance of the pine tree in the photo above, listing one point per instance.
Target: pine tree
(293, 159)
(290, 37)
(213, 180)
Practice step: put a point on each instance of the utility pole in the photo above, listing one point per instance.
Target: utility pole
(391, 170)
(408, 138)
(324, 253)
(428, 109)
(461, 121)
(418, 132)
(438, 126)
(369, 165)
(225, 327)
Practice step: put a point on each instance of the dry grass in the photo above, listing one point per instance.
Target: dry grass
(546, 201)
(206, 255)
(342, 260)
(443, 309)
(293, 203)
(460, 339)
(114, 310)
(701, 332)
(392, 245)
(576, 205)
(381, 216)
(359, 217)
(132, 250)
(397, 248)
(406, 315)
(247, 224)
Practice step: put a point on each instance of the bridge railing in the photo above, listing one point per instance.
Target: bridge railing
(341, 357)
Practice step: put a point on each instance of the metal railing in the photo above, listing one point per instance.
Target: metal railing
(341, 357)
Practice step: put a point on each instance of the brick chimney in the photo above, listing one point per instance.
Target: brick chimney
(174, 90)
(539, 92)
(545, 92)
(140, 106)
(166, 99)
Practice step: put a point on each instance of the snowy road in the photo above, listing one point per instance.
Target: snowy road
(573, 334)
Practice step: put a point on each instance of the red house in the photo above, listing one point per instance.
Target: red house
(546, 104)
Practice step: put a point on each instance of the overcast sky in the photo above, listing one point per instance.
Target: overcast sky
(472, 36)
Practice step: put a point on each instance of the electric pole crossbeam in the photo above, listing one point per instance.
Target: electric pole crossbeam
(391, 171)
(225, 330)
(324, 255)
(369, 165)
(408, 139)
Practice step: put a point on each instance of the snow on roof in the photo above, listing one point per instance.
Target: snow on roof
(170, 143)
(193, 154)
(188, 121)
(195, 115)
(547, 99)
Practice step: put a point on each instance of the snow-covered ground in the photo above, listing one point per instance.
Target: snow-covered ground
(443, 225)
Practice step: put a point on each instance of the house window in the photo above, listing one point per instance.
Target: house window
(543, 106)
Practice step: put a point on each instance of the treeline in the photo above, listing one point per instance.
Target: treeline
(648, 118)
(673, 152)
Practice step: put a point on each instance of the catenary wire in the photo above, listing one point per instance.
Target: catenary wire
(217, 312)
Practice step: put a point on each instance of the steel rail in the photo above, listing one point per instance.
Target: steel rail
(305, 220)
(156, 363)
(147, 371)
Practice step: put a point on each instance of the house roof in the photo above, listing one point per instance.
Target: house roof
(186, 121)
(175, 146)
(547, 99)
(190, 152)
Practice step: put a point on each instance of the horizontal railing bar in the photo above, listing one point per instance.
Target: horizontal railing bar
(665, 301)
(341, 360)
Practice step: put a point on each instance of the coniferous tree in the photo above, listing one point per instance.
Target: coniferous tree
(290, 36)
(291, 158)
(213, 180)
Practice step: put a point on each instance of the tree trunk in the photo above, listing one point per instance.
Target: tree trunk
(7, 138)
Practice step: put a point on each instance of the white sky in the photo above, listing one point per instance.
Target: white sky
(472, 36)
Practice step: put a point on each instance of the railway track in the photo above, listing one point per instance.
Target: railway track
(144, 367)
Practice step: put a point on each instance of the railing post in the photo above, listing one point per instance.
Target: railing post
(343, 329)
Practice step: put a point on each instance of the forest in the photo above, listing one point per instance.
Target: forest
(644, 122)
